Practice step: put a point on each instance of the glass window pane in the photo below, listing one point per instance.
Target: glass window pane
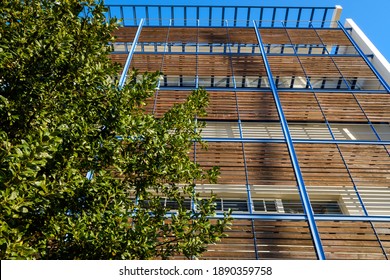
(353, 132)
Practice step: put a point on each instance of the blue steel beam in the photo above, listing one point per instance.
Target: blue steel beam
(122, 80)
(267, 89)
(300, 217)
(297, 141)
(294, 160)
(362, 54)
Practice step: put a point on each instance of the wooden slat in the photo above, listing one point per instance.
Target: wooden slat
(228, 156)
(248, 66)
(125, 34)
(353, 67)
(283, 240)
(217, 65)
(349, 240)
(274, 36)
(327, 66)
(182, 35)
(376, 106)
(238, 245)
(269, 164)
(339, 107)
(242, 36)
(383, 231)
(257, 106)
(300, 106)
(322, 165)
(303, 36)
(333, 37)
(368, 164)
(153, 34)
(285, 66)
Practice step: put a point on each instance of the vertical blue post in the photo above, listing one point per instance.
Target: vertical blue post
(297, 170)
(130, 55)
(365, 58)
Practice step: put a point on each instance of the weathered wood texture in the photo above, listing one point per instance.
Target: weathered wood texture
(274, 240)
(349, 240)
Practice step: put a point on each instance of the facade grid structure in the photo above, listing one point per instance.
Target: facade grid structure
(299, 123)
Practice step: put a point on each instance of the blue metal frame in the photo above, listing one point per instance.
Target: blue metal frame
(294, 160)
(326, 120)
(122, 80)
(300, 217)
(297, 141)
(267, 89)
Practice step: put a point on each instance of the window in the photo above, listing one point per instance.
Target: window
(319, 207)
(234, 205)
(265, 205)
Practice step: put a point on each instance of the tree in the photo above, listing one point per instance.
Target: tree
(62, 116)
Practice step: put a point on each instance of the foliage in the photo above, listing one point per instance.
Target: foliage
(61, 115)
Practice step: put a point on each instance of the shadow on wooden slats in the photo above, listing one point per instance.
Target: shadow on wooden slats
(125, 34)
(283, 240)
(349, 240)
(269, 164)
(257, 106)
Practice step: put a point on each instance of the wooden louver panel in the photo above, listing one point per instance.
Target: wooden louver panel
(238, 245)
(283, 240)
(300, 106)
(322, 165)
(269, 164)
(369, 164)
(341, 107)
(228, 156)
(376, 106)
(349, 240)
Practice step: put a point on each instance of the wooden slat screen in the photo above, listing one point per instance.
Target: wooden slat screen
(257, 106)
(285, 66)
(322, 165)
(125, 34)
(353, 67)
(269, 164)
(283, 240)
(376, 106)
(238, 245)
(303, 36)
(333, 37)
(222, 105)
(300, 106)
(349, 240)
(228, 156)
(341, 107)
(383, 231)
(369, 164)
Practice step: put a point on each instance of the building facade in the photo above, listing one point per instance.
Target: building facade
(298, 122)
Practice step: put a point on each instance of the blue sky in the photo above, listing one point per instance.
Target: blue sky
(372, 16)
